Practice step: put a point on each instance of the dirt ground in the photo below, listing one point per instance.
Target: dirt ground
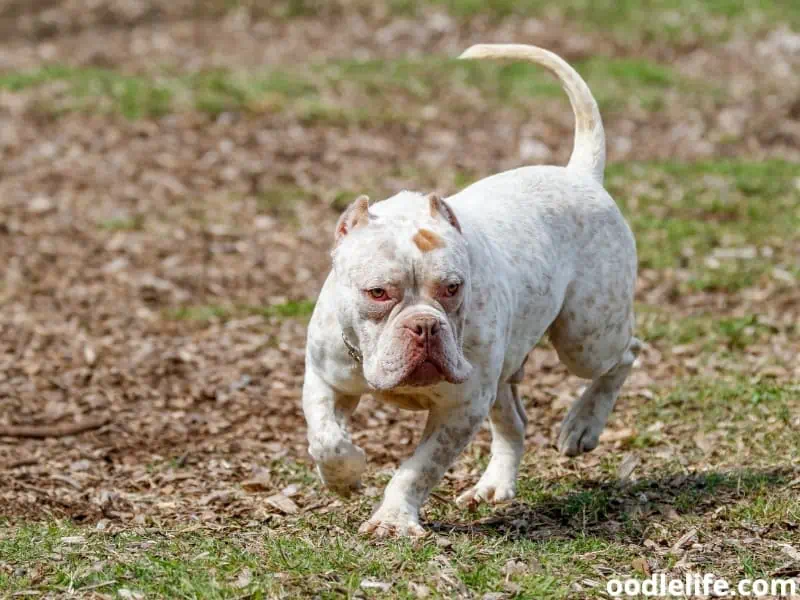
(145, 281)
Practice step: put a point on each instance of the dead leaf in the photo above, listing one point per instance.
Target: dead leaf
(74, 539)
(419, 590)
(513, 567)
(89, 355)
(220, 496)
(630, 461)
(704, 442)
(790, 551)
(687, 537)
(283, 504)
(372, 584)
(540, 440)
(68, 480)
(291, 490)
(641, 566)
(244, 579)
(617, 435)
(259, 484)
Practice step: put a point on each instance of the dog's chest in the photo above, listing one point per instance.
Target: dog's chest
(415, 402)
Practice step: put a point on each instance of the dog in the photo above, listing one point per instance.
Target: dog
(434, 304)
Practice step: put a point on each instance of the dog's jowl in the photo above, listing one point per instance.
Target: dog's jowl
(434, 304)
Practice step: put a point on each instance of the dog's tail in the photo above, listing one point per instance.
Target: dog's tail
(589, 151)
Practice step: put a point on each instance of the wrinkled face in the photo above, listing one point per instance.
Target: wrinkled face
(402, 272)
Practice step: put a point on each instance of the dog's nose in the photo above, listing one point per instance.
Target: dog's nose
(423, 327)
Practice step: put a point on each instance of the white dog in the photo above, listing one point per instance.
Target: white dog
(434, 305)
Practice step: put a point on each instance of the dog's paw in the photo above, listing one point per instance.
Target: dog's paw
(393, 522)
(579, 434)
(340, 467)
(493, 490)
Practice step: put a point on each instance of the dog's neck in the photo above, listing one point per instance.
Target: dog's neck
(354, 352)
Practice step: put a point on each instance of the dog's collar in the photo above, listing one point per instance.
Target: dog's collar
(354, 352)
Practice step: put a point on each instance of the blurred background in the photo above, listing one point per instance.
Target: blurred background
(170, 175)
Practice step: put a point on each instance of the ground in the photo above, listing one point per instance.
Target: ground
(170, 177)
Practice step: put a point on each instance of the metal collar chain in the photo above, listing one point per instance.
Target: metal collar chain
(352, 350)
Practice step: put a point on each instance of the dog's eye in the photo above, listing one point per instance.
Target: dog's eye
(452, 289)
(378, 294)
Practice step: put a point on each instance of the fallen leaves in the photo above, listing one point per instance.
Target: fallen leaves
(127, 249)
(55, 430)
(283, 504)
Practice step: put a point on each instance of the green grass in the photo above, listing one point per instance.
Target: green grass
(567, 528)
(662, 19)
(132, 96)
(728, 225)
(671, 21)
(759, 412)
(135, 223)
(710, 331)
(683, 213)
(326, 92)
(292, 309)
(280, 201)
(316, 557)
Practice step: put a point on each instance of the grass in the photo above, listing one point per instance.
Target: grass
(719, 450)
(711, 332)
(564, 533)
(678, 21)
(292, 309)
(663, 21)
(263, 564)
(728, 225)
(685, 214)
(335, 92)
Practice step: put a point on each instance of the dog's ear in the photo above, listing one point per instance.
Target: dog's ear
(355, 215)
(441, 209)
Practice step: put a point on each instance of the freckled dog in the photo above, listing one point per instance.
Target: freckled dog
(434, 304)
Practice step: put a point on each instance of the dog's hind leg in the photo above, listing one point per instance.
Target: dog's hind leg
(593, 336)
(507, 420)
(586, 419)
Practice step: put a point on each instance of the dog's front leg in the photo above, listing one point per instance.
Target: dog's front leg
(340, 463)
(447, 431)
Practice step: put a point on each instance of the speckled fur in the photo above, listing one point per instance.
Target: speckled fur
(535, 249)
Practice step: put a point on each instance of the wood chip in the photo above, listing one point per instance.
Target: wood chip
(283, 504)
(54, 431)
(261, 484)
(617, 435)
(626, 468)
(790, 551)
(74, 539)
(687, 537)
(371, 584)
(641, 566)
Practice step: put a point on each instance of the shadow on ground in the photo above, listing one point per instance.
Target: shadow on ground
(623, 511)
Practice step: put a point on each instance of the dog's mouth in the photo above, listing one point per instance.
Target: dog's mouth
(427, 372)
(423, 372)
(430, 370)
(408, 363)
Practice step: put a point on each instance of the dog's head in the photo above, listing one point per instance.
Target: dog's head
(403, 280)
